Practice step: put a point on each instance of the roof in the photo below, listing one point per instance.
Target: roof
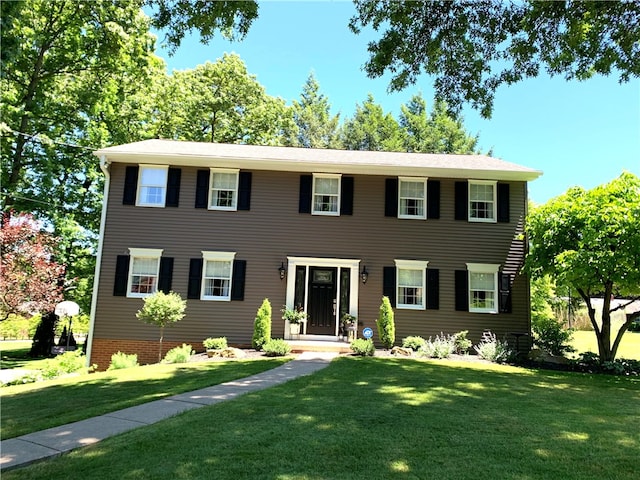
(254, 157)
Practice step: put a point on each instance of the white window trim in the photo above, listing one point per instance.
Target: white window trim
(411, 265)
(484, 268)
(313, 194)
(216, 257)
(142, 253)
(495, 201)
(424, 199)
(212, 172)
(140, 203)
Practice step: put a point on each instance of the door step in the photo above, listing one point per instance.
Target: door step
(299, 346)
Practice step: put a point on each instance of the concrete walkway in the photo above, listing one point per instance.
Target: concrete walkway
(26, 449)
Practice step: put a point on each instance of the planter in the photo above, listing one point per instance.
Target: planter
(294, 328)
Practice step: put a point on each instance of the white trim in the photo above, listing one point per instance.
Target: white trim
(212, 172)
(210, 256)
(420, 265)
(145, 252)
(337, 176)
(484, 267)
(422, 180)
(493, 183)
(154, 253)
(491, 268)
(161, 204)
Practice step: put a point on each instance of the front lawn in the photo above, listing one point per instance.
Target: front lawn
(380, 418)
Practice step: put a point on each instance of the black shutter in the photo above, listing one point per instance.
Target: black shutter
(462, 201)
(462, 290)
(122, 276)
(244, 191)
(433, 289)
(195, 278)
(202, 189)
(433, 199)
(503, 202)
(173, 187)
(130, 185)
(346, 196)
(306, 186)
(389, 284)
(237, 282)
(504, 292)
(165, 274)
(391, 197)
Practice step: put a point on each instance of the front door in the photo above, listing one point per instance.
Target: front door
(322, 301)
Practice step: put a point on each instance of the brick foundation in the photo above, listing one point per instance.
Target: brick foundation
(147, 350)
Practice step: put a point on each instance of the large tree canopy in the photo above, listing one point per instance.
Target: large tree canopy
(474, 47)
(590, 240)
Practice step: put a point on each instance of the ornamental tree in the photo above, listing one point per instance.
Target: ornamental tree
(590, 240)
(386, 324)
(162, 309)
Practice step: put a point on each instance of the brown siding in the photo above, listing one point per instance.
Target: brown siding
(273, 229)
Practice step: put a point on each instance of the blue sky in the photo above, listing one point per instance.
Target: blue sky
(577, 133)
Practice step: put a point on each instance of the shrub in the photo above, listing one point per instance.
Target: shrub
(179, 354)
(276, 347)
(363, 347)
(162, 309)
(492, 349)
(68, 362)
(217, 343)
(121, 360)
(461, 342)
(635, 326)
(385, 323)
(590, 362)
(550, 335)
(441, 347)
(262, 325)
(414, 343)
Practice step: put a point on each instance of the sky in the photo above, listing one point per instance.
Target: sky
(577, 133)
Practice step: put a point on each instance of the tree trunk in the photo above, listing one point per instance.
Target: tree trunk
(161, 337)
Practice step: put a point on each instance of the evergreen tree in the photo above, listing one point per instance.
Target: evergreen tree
(371, 129)
(386, 324)
(262, 325)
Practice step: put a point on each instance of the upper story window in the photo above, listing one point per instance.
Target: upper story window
(217, 275)
(412, 280)
(482, 201)
(144, 270)
(326, 194)
(152, 186)
(483, 287)
(223, 194)
(412, 196)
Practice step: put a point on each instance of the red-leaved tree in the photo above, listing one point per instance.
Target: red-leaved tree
(30, 279)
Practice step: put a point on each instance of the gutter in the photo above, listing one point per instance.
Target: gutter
(104, 166)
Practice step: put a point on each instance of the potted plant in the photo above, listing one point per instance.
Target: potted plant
(214, 345)
(295, 317)
(349, 325)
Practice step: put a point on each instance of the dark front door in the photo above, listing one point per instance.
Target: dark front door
(322, 301)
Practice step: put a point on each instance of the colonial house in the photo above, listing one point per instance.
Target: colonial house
(326, 231)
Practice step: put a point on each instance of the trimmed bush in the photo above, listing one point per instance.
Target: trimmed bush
(363, 347)
(162, 309)
(262, 325)
(121, 360)
(215, 343)
(276, 347)
(414, 343)
(492, 349)
(179, 354)
(386, 324)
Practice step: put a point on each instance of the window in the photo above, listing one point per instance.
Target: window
(411, 198)
(411, 275)
(144, 271)
(224, 189)
(482, 201)
(152, 187)
(483, 287)
(216, 275)
(326, 195)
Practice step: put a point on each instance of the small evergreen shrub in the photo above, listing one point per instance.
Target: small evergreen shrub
(276, 347)
(121, 360)
(492, 349)
(414, 343)
(262, 325)
(461, 342)
(363, 347)
(550, 335)
(217, 343)
(179, 354)
(386, 324)
(440, 347)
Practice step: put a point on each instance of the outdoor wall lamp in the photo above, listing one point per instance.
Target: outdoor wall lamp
(364, 275)
(282, 271)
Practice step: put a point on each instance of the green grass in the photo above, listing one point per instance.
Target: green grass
(585, 341)
(375, 418)
(37, 406)
(15, 354)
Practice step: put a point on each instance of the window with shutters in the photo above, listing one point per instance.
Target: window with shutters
(411, 284)
(482, 201)
(223, 194)
(152, 186)
(326, 194)
(144, 270)
(483, 287)
(217, 274)
(412, 194)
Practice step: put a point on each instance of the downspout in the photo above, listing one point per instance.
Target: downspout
(104, 166)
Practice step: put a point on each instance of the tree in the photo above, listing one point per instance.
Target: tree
(162, 309)
(30, 278)
(371, 129)
(472, 48)
(315, 126)
(386, 324)
(590, 240)
(262, 325)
